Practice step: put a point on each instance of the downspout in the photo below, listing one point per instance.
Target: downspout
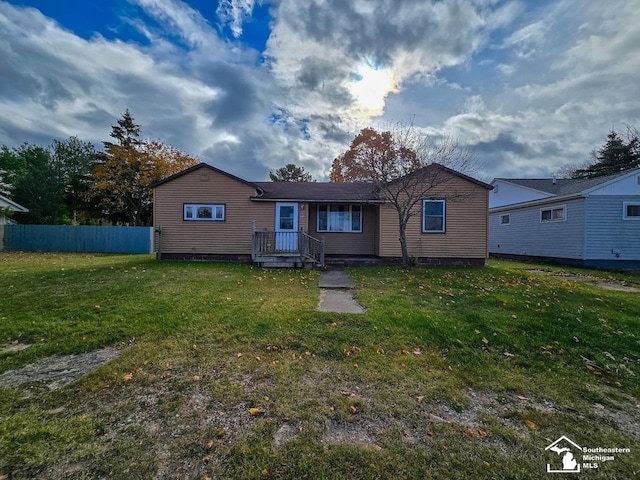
(159, 249)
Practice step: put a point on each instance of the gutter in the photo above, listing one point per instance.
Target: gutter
(307, 200)
(536, 203)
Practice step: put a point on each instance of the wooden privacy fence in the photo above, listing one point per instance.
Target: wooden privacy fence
(65, 238)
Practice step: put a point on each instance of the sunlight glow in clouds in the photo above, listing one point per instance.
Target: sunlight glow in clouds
(371, 88)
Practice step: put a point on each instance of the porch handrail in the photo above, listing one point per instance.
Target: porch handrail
(269, 242)
(312, 247)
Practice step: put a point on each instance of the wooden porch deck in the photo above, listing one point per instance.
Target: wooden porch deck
(286, 249)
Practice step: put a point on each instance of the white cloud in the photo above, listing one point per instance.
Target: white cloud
(530, 88)
(235, 13)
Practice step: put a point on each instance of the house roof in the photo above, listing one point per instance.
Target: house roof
(563, 186)
(198, 166)
(358, 192)
(326, 192)
(434, 166)
(11, 205)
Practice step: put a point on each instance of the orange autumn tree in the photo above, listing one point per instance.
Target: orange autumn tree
(122, 177)
(404, 165)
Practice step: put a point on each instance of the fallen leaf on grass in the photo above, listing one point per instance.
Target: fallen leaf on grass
(420, 398)
(485, 341)
(508, 355)
(353, 409)
(347, 393)
(470, 432)
(417, 351)
(127, 377)
(404, 352)
(608, 355)
(482, 433)
(520, 397)
(531, 425)
(196, 378)
(256, 411)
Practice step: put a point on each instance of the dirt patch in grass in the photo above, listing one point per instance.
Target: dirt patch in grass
(14, 347)
(607, 285)
(57, 371)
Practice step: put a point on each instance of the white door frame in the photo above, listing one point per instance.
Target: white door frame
(287, 228)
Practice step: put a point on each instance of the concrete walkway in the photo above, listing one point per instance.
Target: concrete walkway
(335, 293)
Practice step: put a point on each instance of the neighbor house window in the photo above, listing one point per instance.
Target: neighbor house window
(339, 218)
(556, 214)
(433, 216)
(631, 211)
(203, 212)
(505, 219)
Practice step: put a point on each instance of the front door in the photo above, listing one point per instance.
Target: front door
(286, 227)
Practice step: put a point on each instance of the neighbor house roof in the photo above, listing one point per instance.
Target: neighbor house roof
(563, 186)
(11, 205)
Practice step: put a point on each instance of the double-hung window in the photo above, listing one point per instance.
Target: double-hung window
(203, 212)
(433, 216)
(505, 219)
(556, 214)
(339, 218)
(631, 211)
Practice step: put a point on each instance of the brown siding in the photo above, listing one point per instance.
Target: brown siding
(233, 236)
(342, 243)
(466, 226)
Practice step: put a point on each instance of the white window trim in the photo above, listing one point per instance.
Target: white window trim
(552, 220)
(444, 216)
(508, 215)
(624, 211)
(329, 205)
(213, 206)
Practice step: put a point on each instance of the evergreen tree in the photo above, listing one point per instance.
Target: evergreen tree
(616, 155)
(38, 186)
(76, 160)
(290, 173)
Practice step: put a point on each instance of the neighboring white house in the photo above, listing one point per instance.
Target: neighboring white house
(593, 222)
(7, 204)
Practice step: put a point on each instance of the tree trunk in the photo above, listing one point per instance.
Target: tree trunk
(403, 243)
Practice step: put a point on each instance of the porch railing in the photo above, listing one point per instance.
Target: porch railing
(270, 243)
(311, 247)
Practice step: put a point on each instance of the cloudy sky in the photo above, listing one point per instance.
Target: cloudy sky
(250, 85)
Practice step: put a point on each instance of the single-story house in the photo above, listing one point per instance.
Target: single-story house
(205, 213)
(593, 222)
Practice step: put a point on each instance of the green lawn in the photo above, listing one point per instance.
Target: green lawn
(451, 373)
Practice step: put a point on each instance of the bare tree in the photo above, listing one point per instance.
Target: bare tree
(407, 167)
